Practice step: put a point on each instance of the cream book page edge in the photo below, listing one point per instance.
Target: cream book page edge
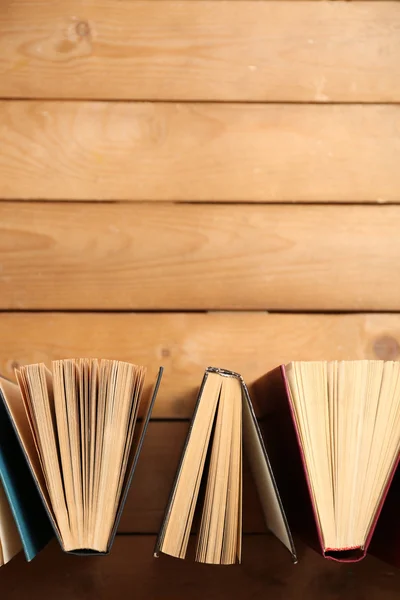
(13, 399)
(9, 537)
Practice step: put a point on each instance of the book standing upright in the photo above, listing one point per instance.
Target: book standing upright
(78, 434)
(332, 431)
(223, 416)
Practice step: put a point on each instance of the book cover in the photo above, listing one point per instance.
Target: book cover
(25, 502)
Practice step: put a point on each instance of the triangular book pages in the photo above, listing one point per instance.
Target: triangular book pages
(332, 431)
(222, 418)
(19, 496)
(87, 425)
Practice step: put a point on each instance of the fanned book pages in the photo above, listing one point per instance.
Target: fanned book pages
(222, 418)
(344, 418)
(79, 435)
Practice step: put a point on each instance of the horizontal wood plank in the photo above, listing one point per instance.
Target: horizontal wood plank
(199, 257)
(249, 343)
(131, 571)
(171, 50)
(154, 477)
(199, 152)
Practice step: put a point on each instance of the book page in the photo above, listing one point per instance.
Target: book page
(348, 419)
(220, 531)
(177, 524)
(10, 541)
(232, 541)
(76, 426)
(14, 401)
(123, 392)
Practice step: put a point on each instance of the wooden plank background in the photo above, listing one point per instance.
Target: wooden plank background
(199, 151)
(170, 171)
(237, 257)
(186, 343)
(171, 50)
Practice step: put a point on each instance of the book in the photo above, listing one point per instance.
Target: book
(77, 427)
(222, 418)
(333, 434)
(10, 541)
(23, 520)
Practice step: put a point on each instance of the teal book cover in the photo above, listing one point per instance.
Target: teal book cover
(26, 505)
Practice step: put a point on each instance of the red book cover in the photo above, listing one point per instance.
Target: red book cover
(281, 436)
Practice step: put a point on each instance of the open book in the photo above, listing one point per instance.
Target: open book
(334, 433)
(222, 418)
(77, 428)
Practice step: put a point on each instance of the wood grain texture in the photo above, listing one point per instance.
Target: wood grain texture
(199, 152)
(131, 571)
(248, 50)
(249, 343)
(199, 257)
(154, 477)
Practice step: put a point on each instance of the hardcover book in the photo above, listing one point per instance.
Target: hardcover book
(223, 417)
(79, 433)
(332, 431)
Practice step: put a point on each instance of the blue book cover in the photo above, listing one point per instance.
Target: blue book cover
(26, 505)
